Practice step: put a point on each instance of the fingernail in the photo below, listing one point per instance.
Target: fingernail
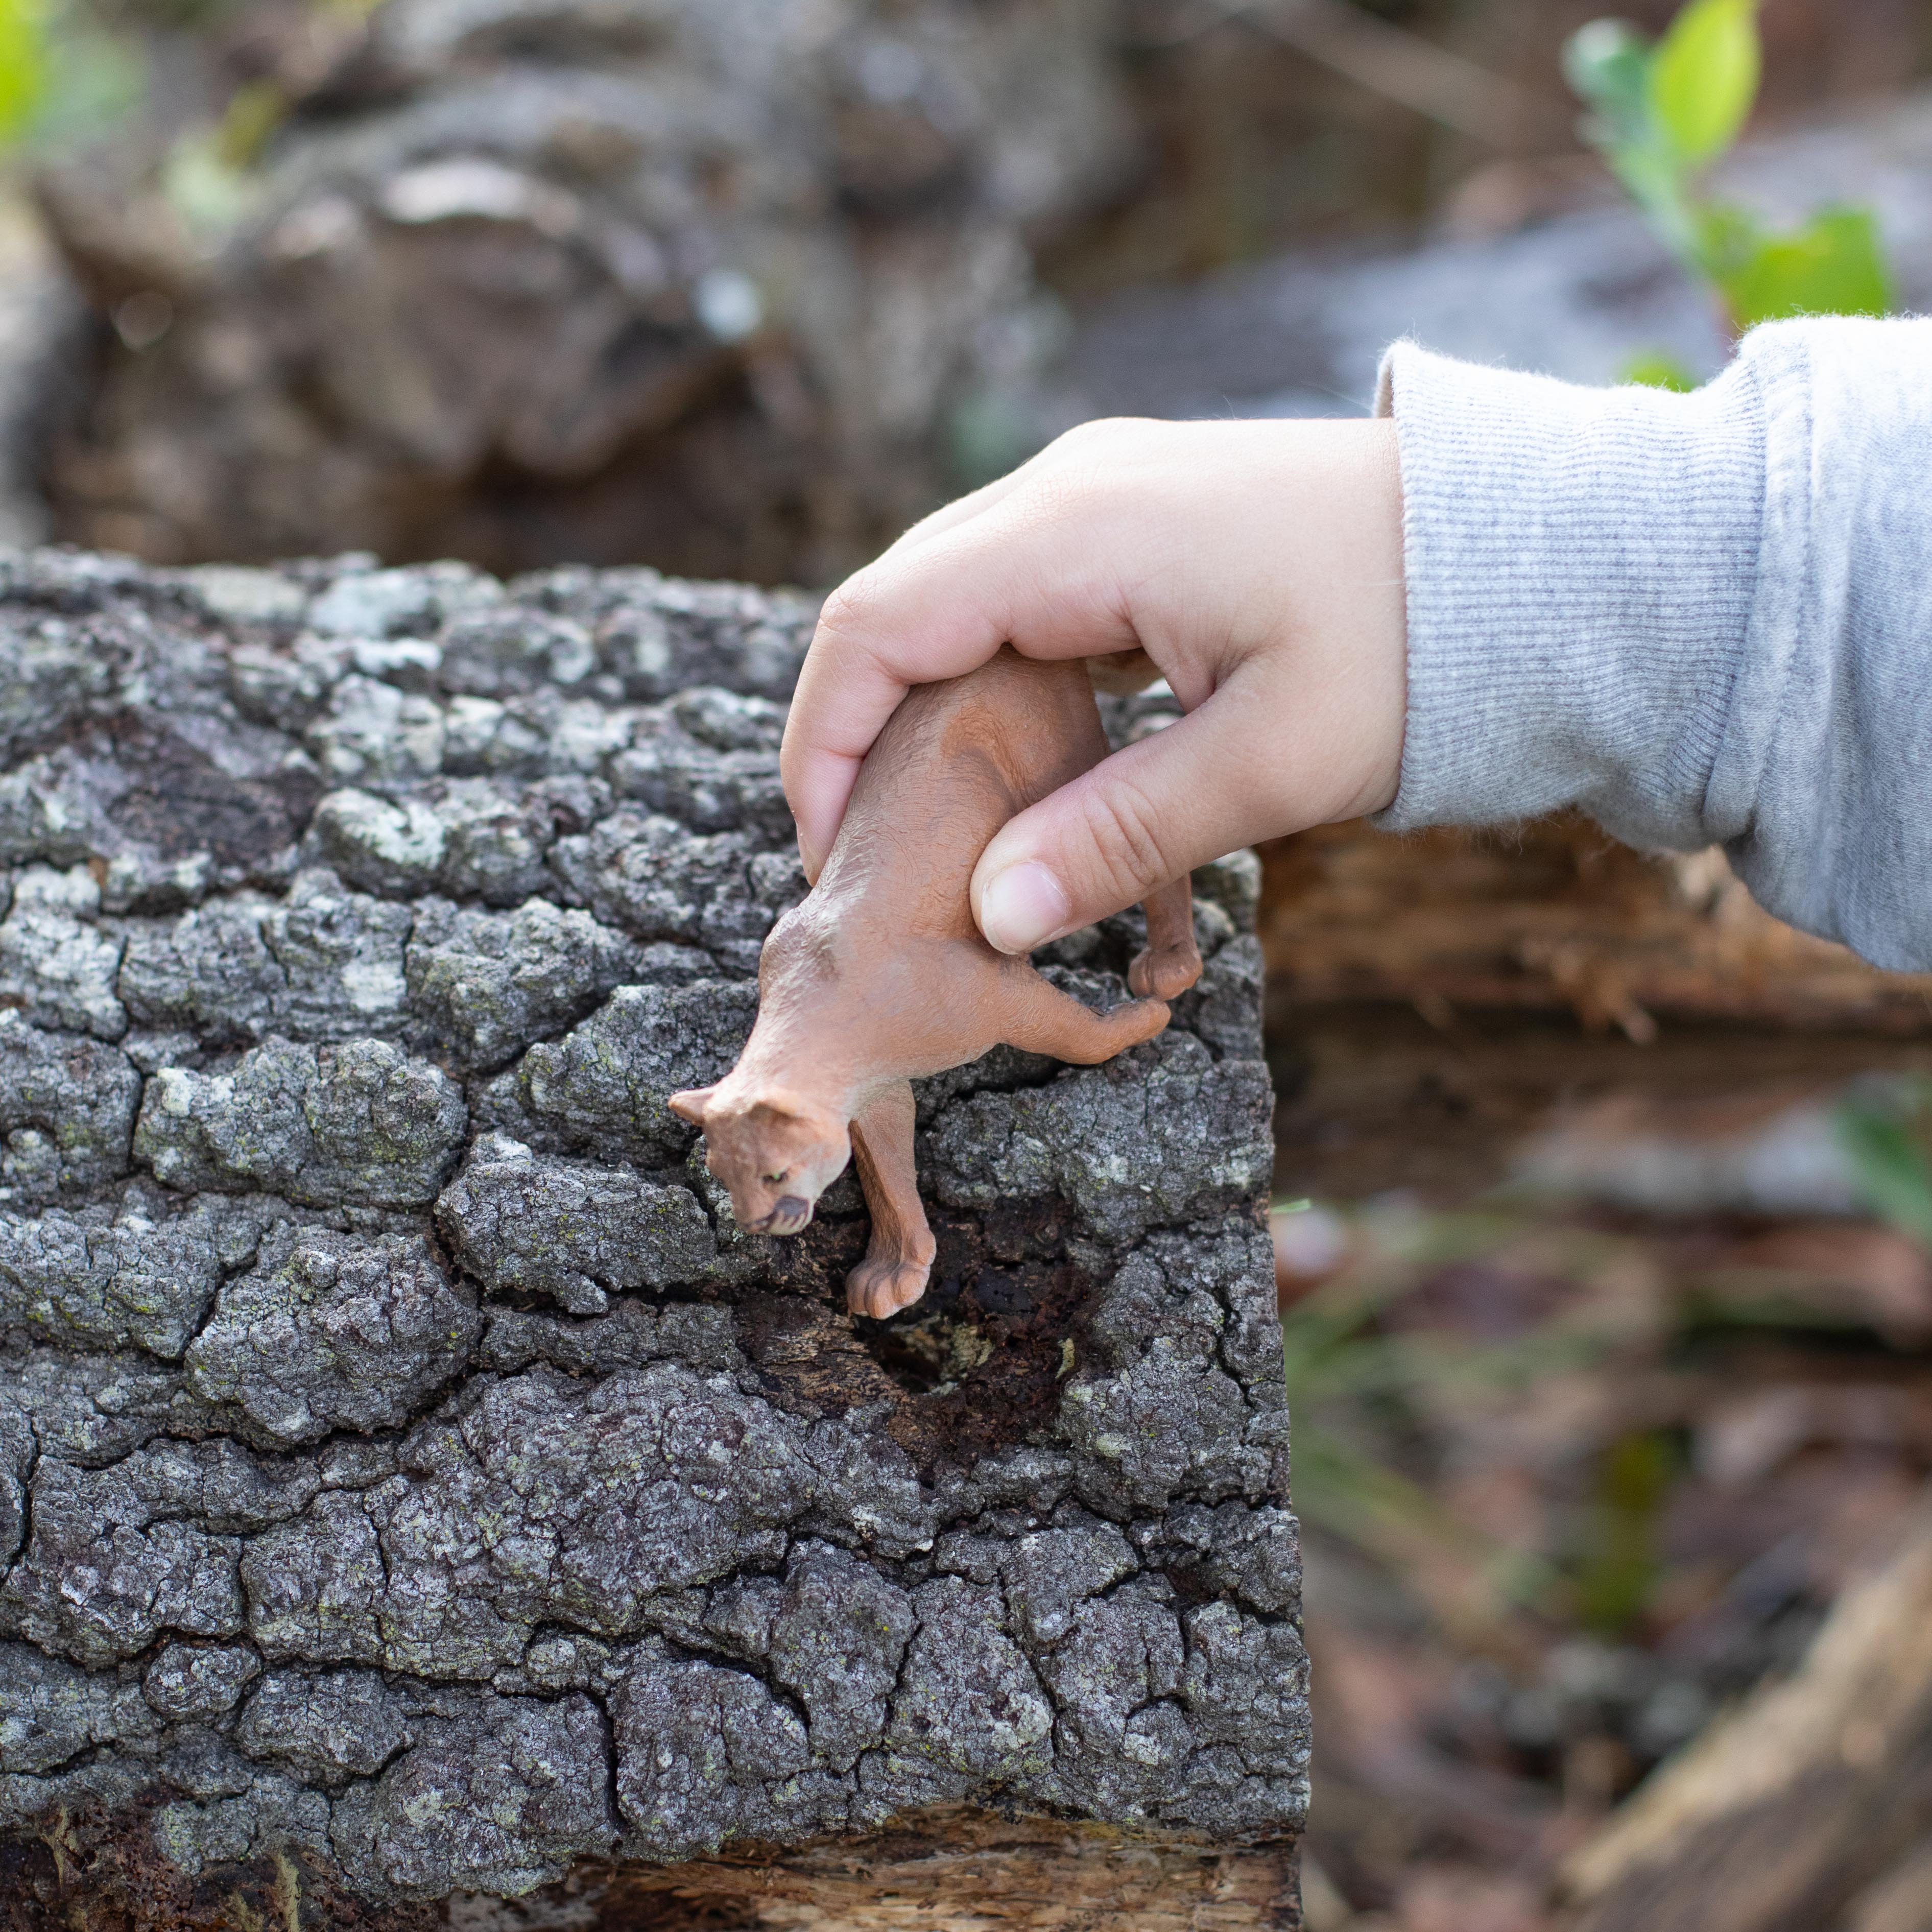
(1022, 907)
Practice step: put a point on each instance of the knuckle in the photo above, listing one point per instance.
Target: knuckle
(1072, 494)
(1082, 437)
(846, 615)
(1099, 433)
(1072, 470)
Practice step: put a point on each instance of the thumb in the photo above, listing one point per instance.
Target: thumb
(1148, 815)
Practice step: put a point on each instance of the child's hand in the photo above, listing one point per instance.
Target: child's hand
(1258, 564)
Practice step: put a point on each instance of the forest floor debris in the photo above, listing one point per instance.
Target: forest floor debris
(1574, 1479)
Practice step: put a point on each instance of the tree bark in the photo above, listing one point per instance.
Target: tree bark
(413, 1486)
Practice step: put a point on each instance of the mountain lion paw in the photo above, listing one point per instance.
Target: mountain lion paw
(1164, 974)
(880, 1289)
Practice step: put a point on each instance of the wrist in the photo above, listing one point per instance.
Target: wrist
(1348, 652)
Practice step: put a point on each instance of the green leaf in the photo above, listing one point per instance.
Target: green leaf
(255, 110)
(1704, 77)
(209, 195)
(1835, 265)
(1652, 369)
(23, 67)
(64, 80)
(1606, 63)
(1889, 1165)
(1725, 240)
(1617, 1575)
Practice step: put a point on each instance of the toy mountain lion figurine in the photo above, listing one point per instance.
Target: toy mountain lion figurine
(880, 976)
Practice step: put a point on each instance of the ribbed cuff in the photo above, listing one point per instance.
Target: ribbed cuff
(1580, 566)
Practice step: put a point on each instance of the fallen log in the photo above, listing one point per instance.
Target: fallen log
(1555, 916)
(963, 1871)
(1807, 1810)
(413, 1485)
(540, 280)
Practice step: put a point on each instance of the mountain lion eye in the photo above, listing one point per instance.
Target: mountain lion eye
(772, 1180)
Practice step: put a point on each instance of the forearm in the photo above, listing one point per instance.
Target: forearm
(1702, 618)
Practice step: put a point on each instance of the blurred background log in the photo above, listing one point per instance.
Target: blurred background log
(1555, 917)
(798, 275)
(684, 283)
(1810, 1807)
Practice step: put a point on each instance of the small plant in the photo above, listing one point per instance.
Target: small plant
(62, 77)
(23, 67)
(1661, 114)
(1618, 1564)
(1886, 1131)
(1357, 1387)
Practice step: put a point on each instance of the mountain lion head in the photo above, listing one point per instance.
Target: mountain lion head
(776, 1152)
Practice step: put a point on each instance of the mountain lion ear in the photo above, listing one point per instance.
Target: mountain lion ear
(690, 1104)
(778, 1106)
(781, 1108)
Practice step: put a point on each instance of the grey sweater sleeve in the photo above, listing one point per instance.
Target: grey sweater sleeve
(1703, 618)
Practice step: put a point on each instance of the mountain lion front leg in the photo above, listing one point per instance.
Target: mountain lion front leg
(1170, 962)
(899, 1257)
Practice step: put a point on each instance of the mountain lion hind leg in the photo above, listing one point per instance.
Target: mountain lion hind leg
(1049, 1021)
(1170, 962)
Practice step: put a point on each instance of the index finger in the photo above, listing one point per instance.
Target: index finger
(868, 652)
(1006, 565)
(860, 663)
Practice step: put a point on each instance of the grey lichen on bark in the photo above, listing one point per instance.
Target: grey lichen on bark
(406, 1467)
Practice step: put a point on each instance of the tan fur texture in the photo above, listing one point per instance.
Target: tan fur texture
(881, 975)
